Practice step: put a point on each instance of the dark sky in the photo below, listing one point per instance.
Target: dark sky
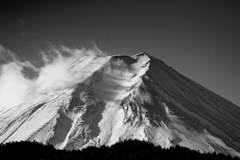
(201, 39)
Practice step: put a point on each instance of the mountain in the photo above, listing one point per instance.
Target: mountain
(108, 99)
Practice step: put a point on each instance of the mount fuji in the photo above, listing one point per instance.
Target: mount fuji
(87, 99)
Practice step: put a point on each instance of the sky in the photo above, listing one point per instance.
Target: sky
(198, 38)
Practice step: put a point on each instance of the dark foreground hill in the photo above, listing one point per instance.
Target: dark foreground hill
(129, 150)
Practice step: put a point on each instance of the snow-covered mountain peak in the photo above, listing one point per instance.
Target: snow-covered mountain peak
(119, 77)
(91, 99)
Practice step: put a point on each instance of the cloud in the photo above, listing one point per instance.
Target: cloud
(6, 55)
(13, 85)
(21, 80)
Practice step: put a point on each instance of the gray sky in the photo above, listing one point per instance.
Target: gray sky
(200, 39)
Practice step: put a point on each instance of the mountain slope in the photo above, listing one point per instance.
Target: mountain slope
(112, 98)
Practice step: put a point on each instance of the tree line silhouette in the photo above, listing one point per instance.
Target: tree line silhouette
(127, 150)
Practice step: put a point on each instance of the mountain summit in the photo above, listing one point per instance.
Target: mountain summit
(107, 99)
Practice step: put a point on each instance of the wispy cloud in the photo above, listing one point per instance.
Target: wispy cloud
(59, 72)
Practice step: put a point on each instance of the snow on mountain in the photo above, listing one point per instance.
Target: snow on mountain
(88, 99)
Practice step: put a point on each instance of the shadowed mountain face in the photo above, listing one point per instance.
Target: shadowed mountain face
(115, 98)
(198, 109)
